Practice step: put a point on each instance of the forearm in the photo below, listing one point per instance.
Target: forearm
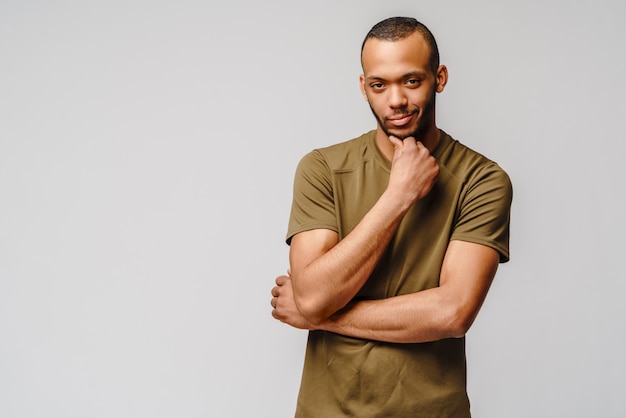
(415, 318)
(446, 311)
(329, 281)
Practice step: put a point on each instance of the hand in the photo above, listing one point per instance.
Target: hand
(284, 304)
(413, 170)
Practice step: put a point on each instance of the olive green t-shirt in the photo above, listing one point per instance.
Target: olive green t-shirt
(334, 188)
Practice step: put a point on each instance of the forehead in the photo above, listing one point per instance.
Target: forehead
(395, 57)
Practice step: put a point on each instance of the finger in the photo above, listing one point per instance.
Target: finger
(281, 280)
(411, 139)
(273, 302)
(274, 291)
(395, 141)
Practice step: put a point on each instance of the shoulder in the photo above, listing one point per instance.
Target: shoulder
(468, 165)
(342, 155)
(484, 194)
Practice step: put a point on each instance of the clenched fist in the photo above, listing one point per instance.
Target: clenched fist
(284, 304)
(413, 170)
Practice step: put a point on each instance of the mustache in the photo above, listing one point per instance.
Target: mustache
(403, 113)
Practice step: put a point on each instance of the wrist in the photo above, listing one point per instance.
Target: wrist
(397, 201)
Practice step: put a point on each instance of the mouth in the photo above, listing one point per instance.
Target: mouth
(399, 121)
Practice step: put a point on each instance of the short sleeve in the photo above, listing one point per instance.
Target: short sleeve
(484, 212)
(313, 205)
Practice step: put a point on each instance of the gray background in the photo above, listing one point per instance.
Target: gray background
(147, 151)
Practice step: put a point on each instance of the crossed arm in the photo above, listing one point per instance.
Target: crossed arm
(327, 273)
(446, 311)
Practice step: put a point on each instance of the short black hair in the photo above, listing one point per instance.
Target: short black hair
(396, 28)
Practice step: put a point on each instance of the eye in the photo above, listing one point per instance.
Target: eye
(413, 82)
(376, 86)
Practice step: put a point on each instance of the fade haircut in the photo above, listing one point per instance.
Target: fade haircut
(396, 28)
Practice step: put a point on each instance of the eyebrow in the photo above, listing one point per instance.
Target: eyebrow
(421, 74)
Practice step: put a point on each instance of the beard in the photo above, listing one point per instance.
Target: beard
(424, 117)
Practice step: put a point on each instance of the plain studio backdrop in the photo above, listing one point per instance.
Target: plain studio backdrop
(147, 152)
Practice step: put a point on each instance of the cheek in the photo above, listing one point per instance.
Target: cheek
(371, 101)
(380, 111)
(420, 98)
(424, 99)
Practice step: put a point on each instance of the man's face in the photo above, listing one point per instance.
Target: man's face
(400, 86)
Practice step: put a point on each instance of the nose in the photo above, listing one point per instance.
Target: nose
(397, 98)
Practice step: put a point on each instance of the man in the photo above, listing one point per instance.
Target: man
(395, 239)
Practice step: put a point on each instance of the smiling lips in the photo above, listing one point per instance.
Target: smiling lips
(400, 120)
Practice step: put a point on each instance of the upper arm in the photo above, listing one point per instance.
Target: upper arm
(313, 204)
(308, 246)
(484, 217)
(466, 274)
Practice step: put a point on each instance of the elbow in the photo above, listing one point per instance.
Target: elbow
(312, 310)
(459, 329)
(314, 304)
(458, 322)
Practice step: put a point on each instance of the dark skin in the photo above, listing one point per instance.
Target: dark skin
(326, 273)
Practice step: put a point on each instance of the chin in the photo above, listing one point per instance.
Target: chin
(405, 133)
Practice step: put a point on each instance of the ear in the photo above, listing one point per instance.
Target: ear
(441, 78)
(362, 86)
